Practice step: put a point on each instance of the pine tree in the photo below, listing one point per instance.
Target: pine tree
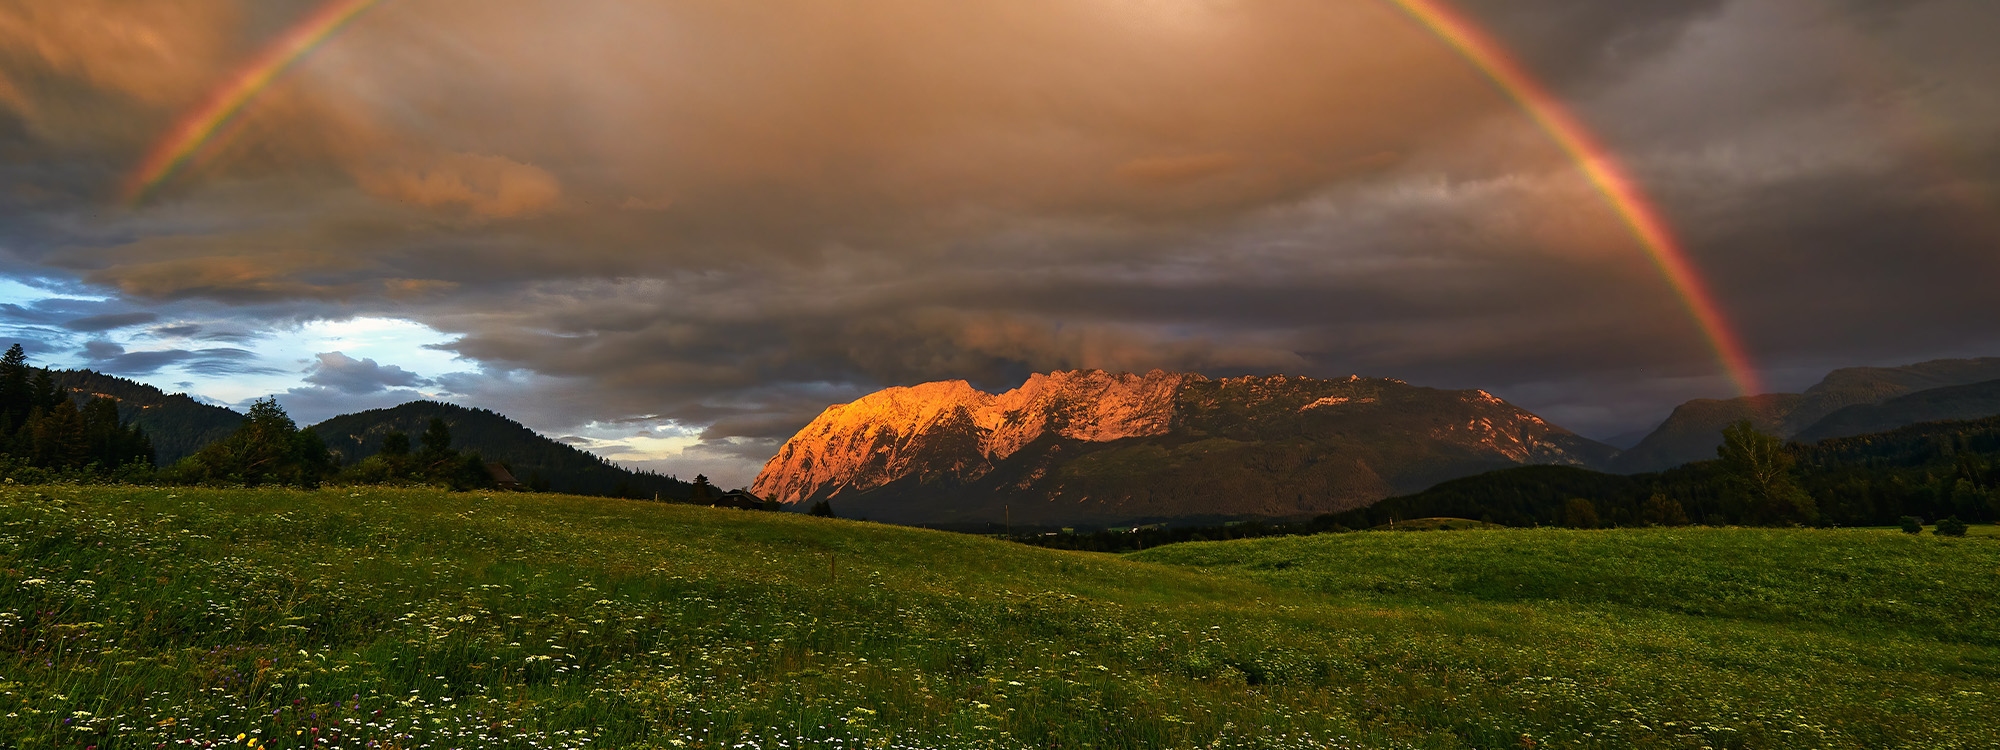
(43, 393)
(14, 400)
(59, 438)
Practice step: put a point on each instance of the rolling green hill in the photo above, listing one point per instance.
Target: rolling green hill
(136, 617)
(535, 460)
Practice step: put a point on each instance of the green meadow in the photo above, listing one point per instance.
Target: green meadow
(173, 617)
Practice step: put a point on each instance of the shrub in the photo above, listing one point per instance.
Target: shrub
(1950, 527)
(1580, 513)
(1912, 525)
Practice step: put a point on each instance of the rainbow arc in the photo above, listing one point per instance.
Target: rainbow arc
(224, 103)
(1602, 168)
(1597, 163)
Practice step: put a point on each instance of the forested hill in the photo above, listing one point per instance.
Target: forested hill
(1935, 405)
(535, 460)
(178, 425)
(1931, 470)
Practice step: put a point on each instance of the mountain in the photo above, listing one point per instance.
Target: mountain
(1930, 470)
(1086, 446)
(178, 425)
(535, 460)
(1694, 430)
(1961, 402)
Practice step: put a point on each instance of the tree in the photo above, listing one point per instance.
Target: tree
(396, 444)
(1580, 513)
(1950, 527)
(1911, 525)
(437, 440)
(703, 491)
(14, 401)
(268, 449)
(823, 509)
(1661, 510)
(43, 393)
(111, 444)
(469, 473)
(1759, 472)
(58, 437)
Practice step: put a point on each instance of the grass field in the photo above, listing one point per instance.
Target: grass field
(142, 618)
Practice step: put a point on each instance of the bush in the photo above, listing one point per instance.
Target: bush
(1950, 527)
(1912, 525)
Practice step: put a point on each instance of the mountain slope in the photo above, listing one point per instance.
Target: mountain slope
(178, 425)
(534, 460)
(1093, 447)
(1962, 402)
(1694, 430)
(1929, 469)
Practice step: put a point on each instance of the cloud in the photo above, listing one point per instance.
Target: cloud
(339, 372)
(486, 186)
(1172, 169)
(113, 359)
(110, 321)
(800, 204)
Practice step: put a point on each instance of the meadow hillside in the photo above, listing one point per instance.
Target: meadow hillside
(142, 618)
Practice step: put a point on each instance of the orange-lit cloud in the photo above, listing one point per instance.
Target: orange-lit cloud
(156, 52)
(485, 186)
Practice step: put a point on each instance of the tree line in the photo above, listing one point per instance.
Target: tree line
(1929, 471)
(45, 433)
(1947, 473)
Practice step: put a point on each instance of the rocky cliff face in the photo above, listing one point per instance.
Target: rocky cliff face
(951, 430)
(1088, 446)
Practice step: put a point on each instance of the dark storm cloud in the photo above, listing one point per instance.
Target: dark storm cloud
(810, 202)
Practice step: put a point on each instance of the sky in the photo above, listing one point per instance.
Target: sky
(677, 230)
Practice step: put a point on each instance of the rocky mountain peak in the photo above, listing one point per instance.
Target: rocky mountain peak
(950, 427)
(1092, 444)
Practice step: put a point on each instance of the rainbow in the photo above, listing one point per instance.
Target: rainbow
(200, 124)
(1601, 167)
(1598, 164)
